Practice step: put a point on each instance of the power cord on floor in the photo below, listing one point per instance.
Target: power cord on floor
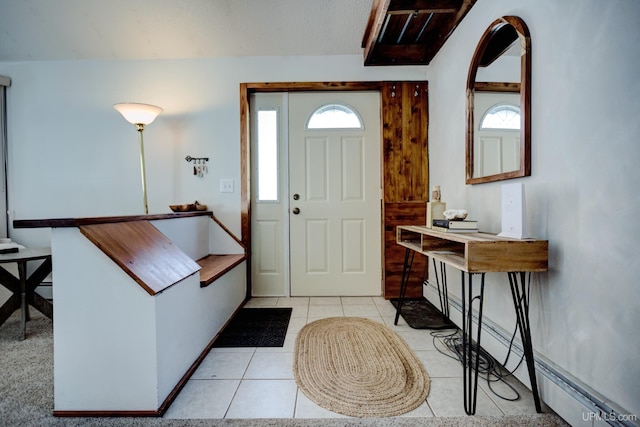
(487, 365)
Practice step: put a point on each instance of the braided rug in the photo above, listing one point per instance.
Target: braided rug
(357, 367)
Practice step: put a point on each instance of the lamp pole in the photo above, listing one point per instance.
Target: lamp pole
(140, 128)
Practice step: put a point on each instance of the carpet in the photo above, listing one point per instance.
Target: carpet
(419, 313)
(357, 367)
(255, 327)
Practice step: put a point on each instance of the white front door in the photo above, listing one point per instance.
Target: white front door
(335, 197)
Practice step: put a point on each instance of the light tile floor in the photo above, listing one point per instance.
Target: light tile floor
(258, 382)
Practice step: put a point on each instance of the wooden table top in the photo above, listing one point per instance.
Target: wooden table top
(476, 252)
(25, 254)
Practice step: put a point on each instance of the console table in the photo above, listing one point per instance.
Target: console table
(478, 253)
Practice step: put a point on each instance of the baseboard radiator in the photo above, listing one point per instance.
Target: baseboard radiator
(575, 403)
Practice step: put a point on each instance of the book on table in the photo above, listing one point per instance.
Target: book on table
(458, 225)
(454, 230)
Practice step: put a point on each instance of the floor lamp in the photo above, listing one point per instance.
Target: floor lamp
(139, 115)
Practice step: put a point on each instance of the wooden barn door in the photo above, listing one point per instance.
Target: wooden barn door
(405, 170)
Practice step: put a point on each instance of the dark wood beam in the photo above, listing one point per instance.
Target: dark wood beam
(374, 26)
(424, 6)
(497, 87)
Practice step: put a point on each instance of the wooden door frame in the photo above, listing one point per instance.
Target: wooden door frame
(403, 145)
(246, 90)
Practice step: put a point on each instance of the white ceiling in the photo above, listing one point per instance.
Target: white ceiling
(34, 30)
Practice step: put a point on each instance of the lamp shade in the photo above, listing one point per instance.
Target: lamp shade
(138, 113)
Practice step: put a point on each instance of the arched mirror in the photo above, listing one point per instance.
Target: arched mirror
(498, 104)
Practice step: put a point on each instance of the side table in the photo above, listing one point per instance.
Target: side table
(23, 287)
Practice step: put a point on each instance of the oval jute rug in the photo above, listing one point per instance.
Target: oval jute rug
(357, 367)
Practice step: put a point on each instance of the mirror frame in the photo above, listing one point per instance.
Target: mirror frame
(525, 99)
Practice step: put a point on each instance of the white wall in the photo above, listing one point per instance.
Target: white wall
(71, 154)
(104, 331)
(583, 195)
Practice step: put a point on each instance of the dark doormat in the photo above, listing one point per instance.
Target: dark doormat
(256, 327)
(419, 313)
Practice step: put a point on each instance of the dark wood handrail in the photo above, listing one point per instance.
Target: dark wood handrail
(226, 230)
(77, 222)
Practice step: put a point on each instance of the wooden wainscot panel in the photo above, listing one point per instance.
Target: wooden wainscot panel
(401, 214)
(405, 173)
(405, 113)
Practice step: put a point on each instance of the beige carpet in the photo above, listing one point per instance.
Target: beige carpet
(357, 367)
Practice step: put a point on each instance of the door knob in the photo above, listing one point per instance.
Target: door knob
(296, 211)
(296, 196)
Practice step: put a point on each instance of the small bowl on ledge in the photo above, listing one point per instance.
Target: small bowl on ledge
(179, 208)
(190, 207)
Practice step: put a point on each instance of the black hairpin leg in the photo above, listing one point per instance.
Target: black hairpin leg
(443, 293)
(521, 304)
(406, 271)
(470, 362)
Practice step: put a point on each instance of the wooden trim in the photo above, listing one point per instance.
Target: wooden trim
(497, 87)
(424, 6)
(245, 166)
(374, 25)
(525, 101)
(226, 230)
(245, 180)
(77, 222)
(102, 414)
(307, 86)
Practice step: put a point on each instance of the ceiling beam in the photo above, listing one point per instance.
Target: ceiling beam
(424, 6)
(383, 40)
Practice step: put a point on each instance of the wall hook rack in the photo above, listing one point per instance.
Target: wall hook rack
(196, 159)
(199, 165)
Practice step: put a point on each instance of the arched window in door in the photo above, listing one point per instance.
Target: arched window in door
(335, 116)
(501, 116)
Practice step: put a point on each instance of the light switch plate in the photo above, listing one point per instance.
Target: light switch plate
(226, 186)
